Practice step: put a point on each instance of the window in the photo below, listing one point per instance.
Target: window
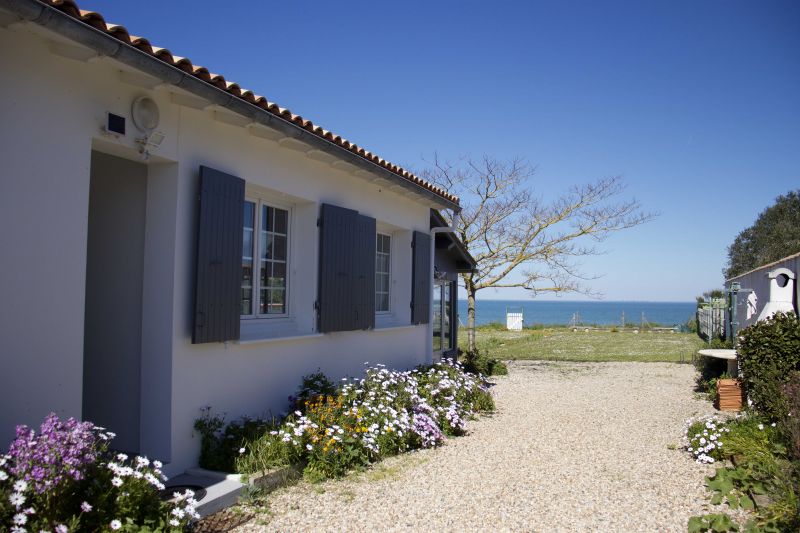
(443, 305)
(264, 251)
(383, 247)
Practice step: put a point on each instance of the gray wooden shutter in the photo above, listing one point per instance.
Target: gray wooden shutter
(346, 299)
(219, 257)
(365, 284)
(421, 278)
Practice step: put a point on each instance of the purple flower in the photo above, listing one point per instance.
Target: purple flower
(61, 451)
(85, 507)
(427, 429)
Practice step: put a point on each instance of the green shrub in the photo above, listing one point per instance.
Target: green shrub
(478, 362)
(791, 424)
(709, 370)
(221, 444)
(720, 344)
(769, 351)
(312, 385)
(493, 326)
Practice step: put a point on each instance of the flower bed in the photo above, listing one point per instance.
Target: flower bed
(65, 479)
(756, 465)
(364, 420)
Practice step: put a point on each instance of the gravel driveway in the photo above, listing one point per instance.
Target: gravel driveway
(572, 447)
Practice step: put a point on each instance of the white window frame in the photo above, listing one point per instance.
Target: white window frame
(388, 273)
(260, 203)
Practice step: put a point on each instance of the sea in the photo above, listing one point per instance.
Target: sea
(601, 313)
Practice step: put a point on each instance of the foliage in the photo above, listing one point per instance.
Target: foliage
(382, 414)
(516, 238)
(312, 385)
(711, 522)
(703, 438)
(775, 234)
(221, 443)
(64, 478)
(720, 344)
(709, 370)
(760, 469)
(791, 424)
(478, 362)
(769, 351)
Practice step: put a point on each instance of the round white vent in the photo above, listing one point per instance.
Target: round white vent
(144, 112)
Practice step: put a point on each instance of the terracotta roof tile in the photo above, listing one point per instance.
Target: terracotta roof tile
(120, 33)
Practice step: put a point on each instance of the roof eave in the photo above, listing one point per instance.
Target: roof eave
(106, 45)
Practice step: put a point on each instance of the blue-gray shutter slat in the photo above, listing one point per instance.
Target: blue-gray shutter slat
(219, 257)
(346, 292)
(421, 278)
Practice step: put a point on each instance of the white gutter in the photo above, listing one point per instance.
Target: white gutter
(107, 46)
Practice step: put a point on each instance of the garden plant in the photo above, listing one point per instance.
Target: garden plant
(758, 451)
(65, 478)
(364, 420)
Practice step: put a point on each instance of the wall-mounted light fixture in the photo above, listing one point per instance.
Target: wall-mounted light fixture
(146, 116)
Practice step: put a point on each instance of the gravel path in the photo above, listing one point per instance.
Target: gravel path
(573, 447)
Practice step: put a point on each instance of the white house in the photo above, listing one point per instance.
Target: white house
(768, 289)
(172, 241)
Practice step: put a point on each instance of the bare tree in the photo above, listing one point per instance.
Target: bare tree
(518, 239)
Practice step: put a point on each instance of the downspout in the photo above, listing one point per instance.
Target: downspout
(452, 228)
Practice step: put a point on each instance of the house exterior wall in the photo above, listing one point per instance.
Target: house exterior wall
(59, 106)
(758, 281)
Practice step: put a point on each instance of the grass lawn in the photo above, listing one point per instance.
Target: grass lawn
(563, 344)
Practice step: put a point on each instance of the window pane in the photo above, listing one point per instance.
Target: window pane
(266, 218)
(247, 258)
(279, 248)
(437, 317)
(263, 301)
(264, 243)
(446, 308)
(263, 274)
(382, 272)
(381, 302)
(273, 252)
(278, 278)
(247, 288)
(281, 221)
(277, 305)
(247, 243)
(249, 213)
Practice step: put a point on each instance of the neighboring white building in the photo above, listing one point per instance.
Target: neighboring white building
(153, 265)
(768, 289)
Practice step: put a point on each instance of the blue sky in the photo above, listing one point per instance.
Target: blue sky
(696, 104)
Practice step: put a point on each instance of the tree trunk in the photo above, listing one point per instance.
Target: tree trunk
(470, 317)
